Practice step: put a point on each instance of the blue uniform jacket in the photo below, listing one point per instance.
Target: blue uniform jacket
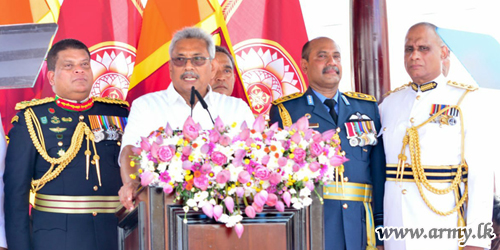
(23, 163)
(345, 228)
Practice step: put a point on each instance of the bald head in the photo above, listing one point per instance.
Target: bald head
(425, 53)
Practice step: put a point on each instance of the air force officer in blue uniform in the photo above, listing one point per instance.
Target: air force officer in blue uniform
(349, 218)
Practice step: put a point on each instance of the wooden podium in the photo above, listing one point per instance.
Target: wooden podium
(157, 223)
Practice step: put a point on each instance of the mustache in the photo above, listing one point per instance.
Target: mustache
(189, 74)
(331, 68)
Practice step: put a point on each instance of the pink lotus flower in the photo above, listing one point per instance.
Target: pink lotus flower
(240, 191)
(229, 204)
(258, 200)
(213, 136)
(314, 166)
(317, 138)
(243, 125)
(302, 124)
(260, 124)
(219, 125)
(282, 161)
(280, 206)
(262, 173)
(257, 208)
(239, 230)
(205, 148)
(243, 177)
(223, 176)
(271, 200)
(295, 167)
(338, 160)
(287, 198)
(168, 189)
(146, 178)
(201, 182)
(165, 153)
(145, 144)
(208, 210)
(308, 134)
(250, 211)
(218, 158)
(265, 159)
(275, 178)
(310, 185)
(217, 212)
(264, 194)
(159, 139)
(190, 130)
(186, 150)
(244, 134)
(299, 155)
(328, 135)
(187, 165)
(225, 140)
(296, 138)
(136, 150)
(168, 130)
(154, 150)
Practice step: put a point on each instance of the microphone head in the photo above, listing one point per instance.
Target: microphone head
(191, 100)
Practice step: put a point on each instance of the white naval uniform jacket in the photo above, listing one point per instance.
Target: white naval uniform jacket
(439, 145)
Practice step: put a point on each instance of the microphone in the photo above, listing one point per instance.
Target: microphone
(191, 100)
(203, 104)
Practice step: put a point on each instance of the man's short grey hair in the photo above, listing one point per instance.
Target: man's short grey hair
(197, 33)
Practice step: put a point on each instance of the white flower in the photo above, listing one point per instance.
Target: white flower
(297, 205)
(191, 203)
(224, 218)
(292, 191)
(186, 209)
(294, 200)
(305, 192)
(185, 221)
(306, 201)
(212, 201)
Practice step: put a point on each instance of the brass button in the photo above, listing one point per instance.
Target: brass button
(346, 179)
(385, 128)
(418, 97)
(404, 191)
(60, 144)
(95, 188)
(93, 162)
(119, 143)
(94, 213)
(345, 206)
(412, 120)
(342, 153)
(365, 150)
(81, 118)
(308, 116)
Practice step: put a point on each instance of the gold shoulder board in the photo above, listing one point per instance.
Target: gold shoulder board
(463, 86)
(360, 96)
(111, 101)
(34, 102)
(404, 86)
(15, 119)
(287, 98)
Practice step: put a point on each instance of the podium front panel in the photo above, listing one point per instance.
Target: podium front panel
(158, 223)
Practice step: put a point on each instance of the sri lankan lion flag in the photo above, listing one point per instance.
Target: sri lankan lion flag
(161, 20)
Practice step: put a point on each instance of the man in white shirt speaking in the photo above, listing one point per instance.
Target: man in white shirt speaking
(191, 65)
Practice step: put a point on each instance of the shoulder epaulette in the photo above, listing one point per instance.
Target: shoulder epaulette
(287, 98)
(360, 96)
(34, 102)
(111, 101)
(404, 86)
(463, 86)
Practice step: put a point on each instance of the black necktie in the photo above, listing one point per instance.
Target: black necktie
(331, 104)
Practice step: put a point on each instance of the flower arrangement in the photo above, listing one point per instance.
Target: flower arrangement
(212, 170)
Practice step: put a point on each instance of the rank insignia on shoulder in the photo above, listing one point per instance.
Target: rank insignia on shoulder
(15, 119)
(310, 100)
(361, 130)
(288, 97)
(463, 86)
(111, 101)
(360, 96)
(34, 102)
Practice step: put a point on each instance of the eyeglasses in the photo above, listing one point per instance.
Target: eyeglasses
(196, 61)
